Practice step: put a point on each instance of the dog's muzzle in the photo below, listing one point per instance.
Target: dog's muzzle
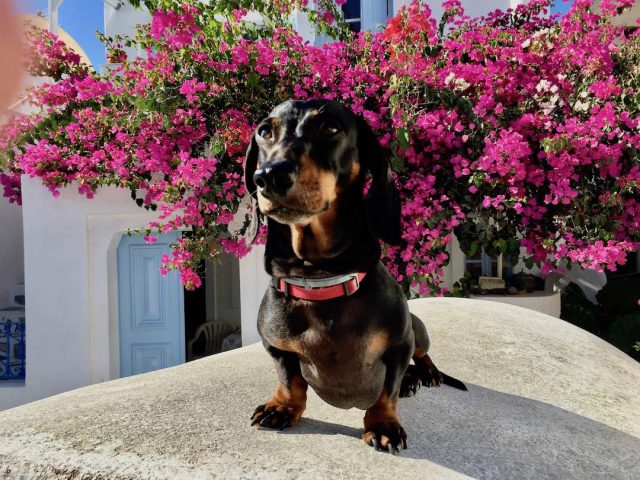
(275, 179)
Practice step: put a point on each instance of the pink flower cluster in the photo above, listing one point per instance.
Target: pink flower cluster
(176, 28)
(516, 122)
(48, 56)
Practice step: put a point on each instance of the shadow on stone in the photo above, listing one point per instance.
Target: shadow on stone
(311, 426)
(484, 433)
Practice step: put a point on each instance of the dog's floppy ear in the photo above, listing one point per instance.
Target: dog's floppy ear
(383, 199)
(250, 165)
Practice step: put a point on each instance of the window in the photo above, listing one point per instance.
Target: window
(480, 264)
(483, 265)
(352, 14)
(12, 343)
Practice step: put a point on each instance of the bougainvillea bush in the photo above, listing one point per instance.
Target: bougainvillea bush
(512, 130)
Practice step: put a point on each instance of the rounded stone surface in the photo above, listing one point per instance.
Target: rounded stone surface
(545, 400)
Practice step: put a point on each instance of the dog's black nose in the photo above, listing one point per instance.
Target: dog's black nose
(275, 178)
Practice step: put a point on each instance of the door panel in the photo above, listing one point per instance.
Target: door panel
(151, 307)
(227, 290)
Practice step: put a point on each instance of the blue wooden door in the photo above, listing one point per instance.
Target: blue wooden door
(151, 307)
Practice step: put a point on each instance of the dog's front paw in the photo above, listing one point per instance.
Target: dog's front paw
(275, 415)
(386, 436)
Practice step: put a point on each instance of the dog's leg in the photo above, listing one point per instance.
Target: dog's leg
(413, 376)
(286, 406)
(382, 429)
(424, 368)
(423, 371)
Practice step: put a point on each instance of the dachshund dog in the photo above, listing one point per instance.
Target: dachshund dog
(334, 318)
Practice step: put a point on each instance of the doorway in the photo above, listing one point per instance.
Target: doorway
(212, 312)
(151, 307)
(160, 323)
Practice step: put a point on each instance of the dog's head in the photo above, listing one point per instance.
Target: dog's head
(306, 154)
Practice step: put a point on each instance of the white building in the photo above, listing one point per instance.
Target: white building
(91, 291)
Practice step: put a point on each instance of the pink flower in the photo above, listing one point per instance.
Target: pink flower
(190, 88)
(523, 122)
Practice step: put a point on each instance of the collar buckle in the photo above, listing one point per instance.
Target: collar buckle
(346, 284)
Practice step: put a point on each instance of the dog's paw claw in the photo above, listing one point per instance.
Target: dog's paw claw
(258, 410)
(376, 444)
(386, 437)
(272, 416)
(410, 383)
(431, 378)
(428, 373)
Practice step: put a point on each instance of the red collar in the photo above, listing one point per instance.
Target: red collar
(316, 289)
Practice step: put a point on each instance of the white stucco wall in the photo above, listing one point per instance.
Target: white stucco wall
(123, 21)
(628, 17)
(253, 283)
(67, 336)
(11, 244)
(11, 248)
(472, 7)
(71, 288)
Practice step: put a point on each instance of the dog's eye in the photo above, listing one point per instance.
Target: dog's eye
(329, 129)
(265, 132)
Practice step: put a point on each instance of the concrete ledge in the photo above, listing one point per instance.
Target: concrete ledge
(543, 302)
(545, 400)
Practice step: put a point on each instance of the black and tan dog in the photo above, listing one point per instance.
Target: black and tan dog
(334, 317)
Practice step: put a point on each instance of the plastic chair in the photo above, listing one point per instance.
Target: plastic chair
(214, 333)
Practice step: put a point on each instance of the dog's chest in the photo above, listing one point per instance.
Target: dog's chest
(342, 364)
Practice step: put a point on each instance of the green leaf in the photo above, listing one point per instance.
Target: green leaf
(403, 138)
(513, 245)
(217, 148)
(397, 164)
(253, 80)
(604, 235)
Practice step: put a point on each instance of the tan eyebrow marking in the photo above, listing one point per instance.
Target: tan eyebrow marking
(309, 114)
